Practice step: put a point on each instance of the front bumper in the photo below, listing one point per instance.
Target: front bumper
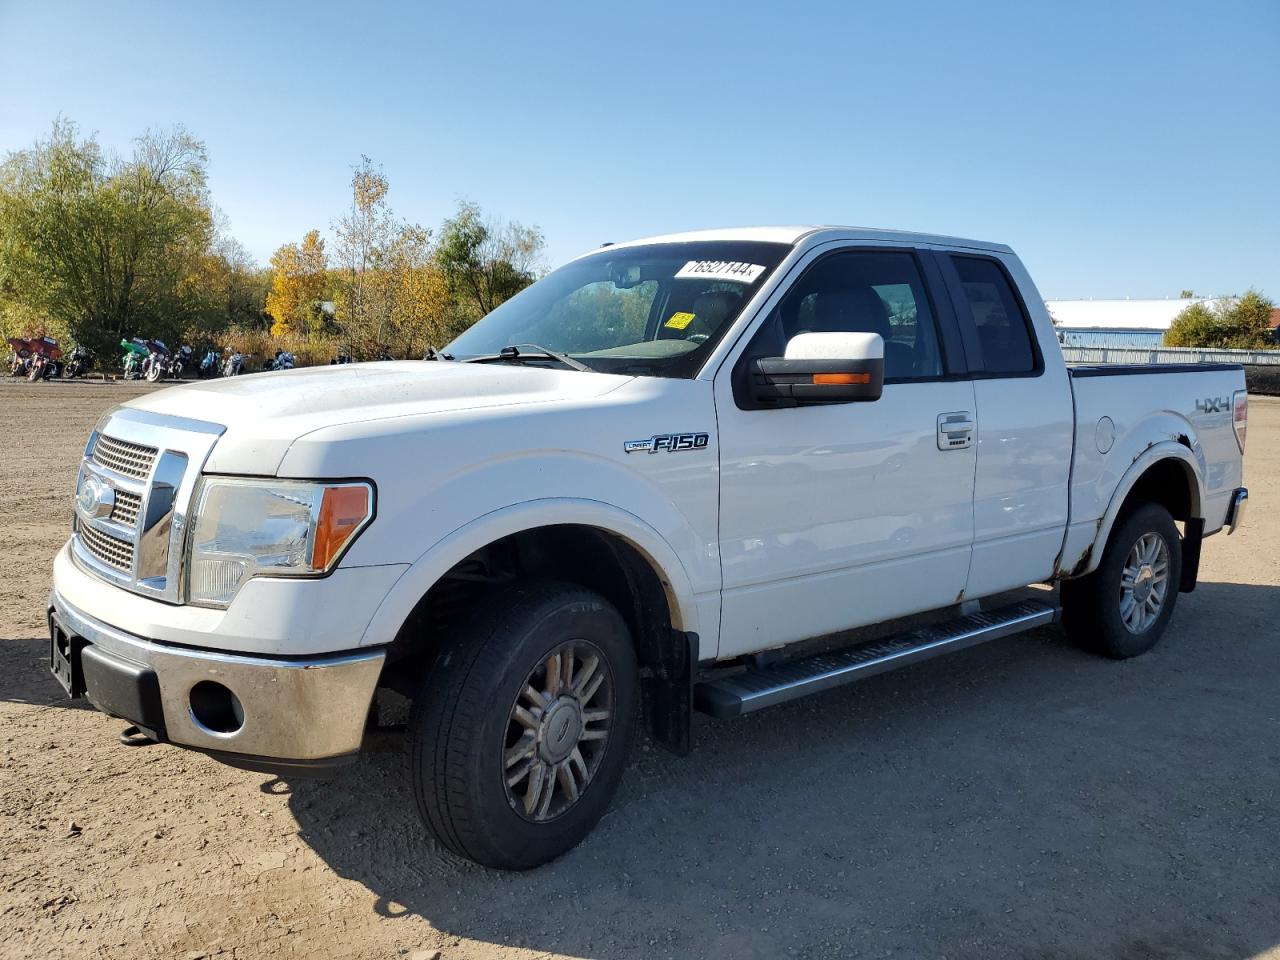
(283, 714)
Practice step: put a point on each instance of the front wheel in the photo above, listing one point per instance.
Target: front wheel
(153, 372)
(523, 725)
(1122, 608)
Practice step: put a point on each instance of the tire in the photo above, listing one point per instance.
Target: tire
(153, 372)
(465, 726)
(1094, 607)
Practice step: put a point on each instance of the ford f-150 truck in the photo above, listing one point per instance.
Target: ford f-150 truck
(647, 485)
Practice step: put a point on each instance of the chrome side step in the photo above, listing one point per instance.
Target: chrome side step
(752, 690)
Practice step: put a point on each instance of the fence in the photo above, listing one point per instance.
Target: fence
(1168, 355)
(1261, 367)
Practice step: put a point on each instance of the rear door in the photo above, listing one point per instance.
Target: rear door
(840, 515)
(1025, 421)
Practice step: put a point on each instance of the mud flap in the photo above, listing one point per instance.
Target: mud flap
(668, 692)
(1192, 537)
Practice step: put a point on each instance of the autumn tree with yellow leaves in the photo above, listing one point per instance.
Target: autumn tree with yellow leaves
(392, 296)
(298, 286)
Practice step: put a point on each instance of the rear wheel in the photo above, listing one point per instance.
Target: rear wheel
(523, 725)
(1122, 608)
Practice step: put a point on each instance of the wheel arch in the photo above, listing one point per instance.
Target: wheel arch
(632, 540)
(593, 545)
(1167, 473)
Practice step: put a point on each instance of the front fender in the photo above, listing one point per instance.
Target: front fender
(470, 537)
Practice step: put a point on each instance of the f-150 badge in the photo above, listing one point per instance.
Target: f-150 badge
(670, 442)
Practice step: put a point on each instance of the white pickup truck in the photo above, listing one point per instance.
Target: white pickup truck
(631, 492)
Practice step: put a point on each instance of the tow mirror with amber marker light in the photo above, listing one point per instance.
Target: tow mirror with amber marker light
(1240, 416)
(822, 368)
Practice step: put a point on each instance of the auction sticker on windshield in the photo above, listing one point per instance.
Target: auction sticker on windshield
(733, 270)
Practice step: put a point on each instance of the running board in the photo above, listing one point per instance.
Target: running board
(755, 689)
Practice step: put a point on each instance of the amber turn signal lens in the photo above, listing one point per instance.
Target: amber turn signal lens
(342, 512)
(842, 378)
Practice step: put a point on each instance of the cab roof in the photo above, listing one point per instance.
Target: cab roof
(814, 234)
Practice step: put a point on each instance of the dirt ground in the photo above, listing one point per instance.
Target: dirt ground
(1021, 799)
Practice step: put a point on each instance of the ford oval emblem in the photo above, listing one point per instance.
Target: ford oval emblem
(95, 498)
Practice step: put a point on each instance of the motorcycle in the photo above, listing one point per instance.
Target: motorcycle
(46, 361)
(79, 363)
(342, 358)
(283, 361)
(158, 362)
(210, 366)
(135, 352)
(233, 366)
(19, 356)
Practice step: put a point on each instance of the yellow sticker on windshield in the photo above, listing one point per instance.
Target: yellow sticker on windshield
(679, 321)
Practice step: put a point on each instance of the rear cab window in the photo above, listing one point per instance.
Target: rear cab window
(999, 326)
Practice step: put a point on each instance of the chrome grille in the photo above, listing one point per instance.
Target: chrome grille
(125, 511)
(151, 462)
(110, 550)
(131, 459)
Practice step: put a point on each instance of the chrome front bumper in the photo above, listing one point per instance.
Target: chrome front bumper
(1236, 509)
(298, 712)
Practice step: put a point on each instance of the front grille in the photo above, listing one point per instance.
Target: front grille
(131, 459)
(149, 461)
(125, 511)
(110, 550)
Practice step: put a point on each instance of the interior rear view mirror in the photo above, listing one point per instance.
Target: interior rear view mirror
(624, 275)
(822, 368)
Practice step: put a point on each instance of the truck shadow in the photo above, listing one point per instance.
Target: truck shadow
(1021, 798)
(25, 676)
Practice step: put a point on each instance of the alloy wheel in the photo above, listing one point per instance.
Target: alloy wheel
(558, 731)
(1144, 583)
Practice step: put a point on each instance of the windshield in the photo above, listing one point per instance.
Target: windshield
(656, 309)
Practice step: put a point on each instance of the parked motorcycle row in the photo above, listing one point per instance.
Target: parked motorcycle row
(153, 360)
(41, 358)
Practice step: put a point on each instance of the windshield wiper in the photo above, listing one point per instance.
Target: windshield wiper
(531, 350)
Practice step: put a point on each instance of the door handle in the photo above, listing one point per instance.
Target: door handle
(955, 430)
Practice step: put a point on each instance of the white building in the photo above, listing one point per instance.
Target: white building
(1117, 323)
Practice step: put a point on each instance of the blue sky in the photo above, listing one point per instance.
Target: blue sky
(1123, 148)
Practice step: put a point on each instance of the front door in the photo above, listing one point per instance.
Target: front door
(841, 515)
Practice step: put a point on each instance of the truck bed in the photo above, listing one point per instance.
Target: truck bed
(1124, 410)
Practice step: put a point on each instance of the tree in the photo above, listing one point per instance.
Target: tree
(486, 262)
(103, 246)
(362, 236)
(1241, 323)
(392, 295)
(408, 296)
(297, 285)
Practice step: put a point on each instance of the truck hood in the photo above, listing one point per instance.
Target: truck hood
(264, 413)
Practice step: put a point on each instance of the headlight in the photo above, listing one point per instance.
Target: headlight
(279, 528)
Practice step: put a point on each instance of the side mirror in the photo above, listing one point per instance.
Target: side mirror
(821, 368)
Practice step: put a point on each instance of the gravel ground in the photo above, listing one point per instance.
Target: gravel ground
(1020, 799)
